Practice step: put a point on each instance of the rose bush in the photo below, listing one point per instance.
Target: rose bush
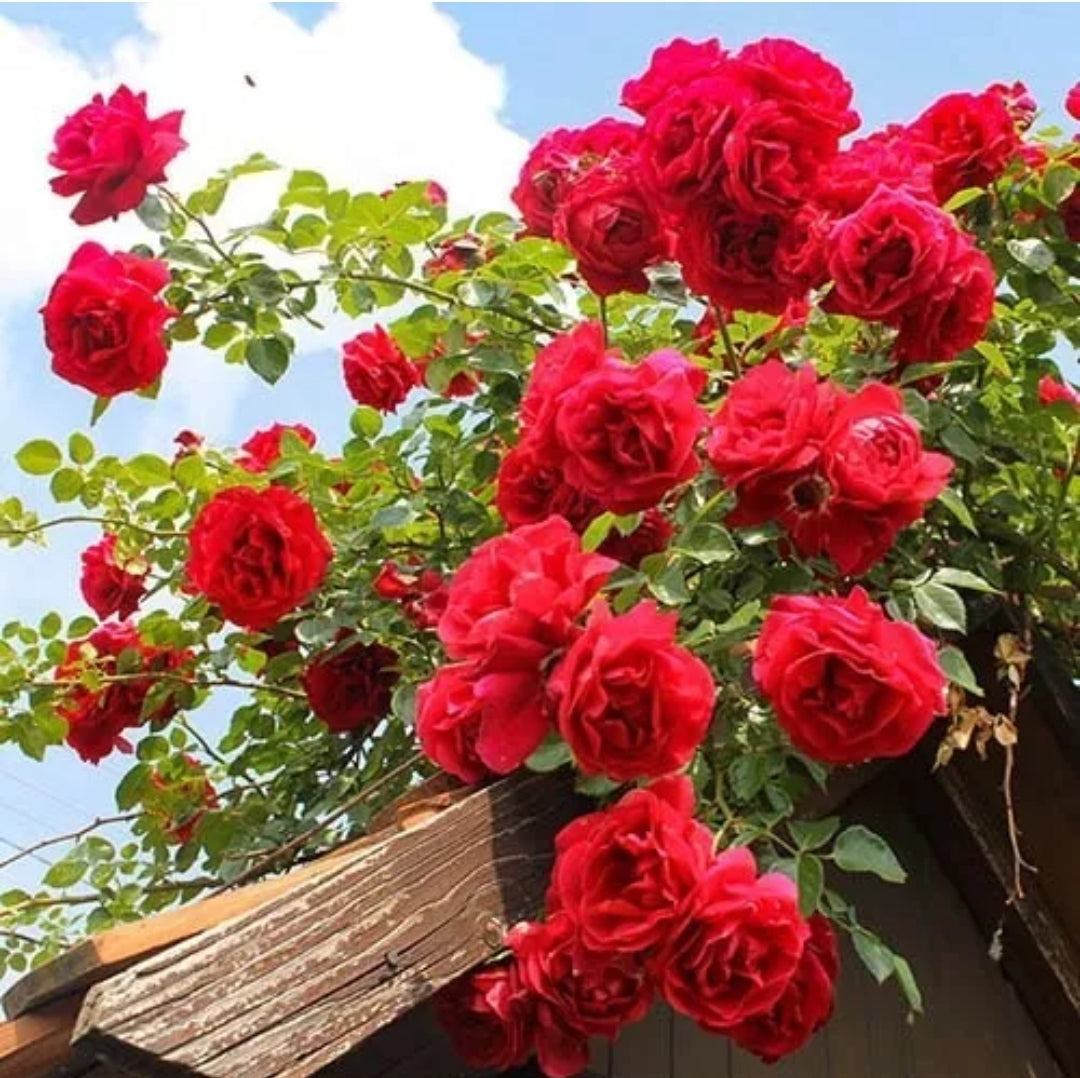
(690, 480)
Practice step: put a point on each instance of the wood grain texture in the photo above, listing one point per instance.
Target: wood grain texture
(38, 1044)
(298, 983)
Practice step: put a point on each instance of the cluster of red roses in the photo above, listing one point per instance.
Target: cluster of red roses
(625, 697)
(736, 172)
(638, 905)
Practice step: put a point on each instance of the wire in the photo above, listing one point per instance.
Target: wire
(29, 853)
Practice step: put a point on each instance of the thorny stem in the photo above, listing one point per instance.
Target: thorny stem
(1019, 863)
(729, 345)
(71, 836)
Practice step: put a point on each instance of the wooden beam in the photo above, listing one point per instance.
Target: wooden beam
(300, 982)
(38, 1044)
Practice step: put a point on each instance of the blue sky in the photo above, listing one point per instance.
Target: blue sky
(562, 64)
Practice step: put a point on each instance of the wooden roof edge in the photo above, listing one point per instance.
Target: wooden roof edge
(114, 950)
(37, 1044)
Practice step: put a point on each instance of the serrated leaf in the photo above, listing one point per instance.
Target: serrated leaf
(908, 985)
(962, 578)
(65, 873)
(1058, 182)
(550, 756)
(810, 878)
(963, 198)
(941, 606)
(958, 670)
(153, 214)
(875, 956)
(858, 849)
(80, 448)
(811, 834)
(708, 543)
(597, 531)
(1032, 254)
(955, 504)
(748, 775)
(66, 485)
(366, 422)
(39, 457)
(149, 470)
(131, 787)
(268, 358)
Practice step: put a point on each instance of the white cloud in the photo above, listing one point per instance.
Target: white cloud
(372, 94)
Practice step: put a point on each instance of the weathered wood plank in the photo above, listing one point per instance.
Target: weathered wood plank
(303, 980)
(38, 1044)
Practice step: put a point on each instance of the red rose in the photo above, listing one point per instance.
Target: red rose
(519, 595)
(624, 874)
(650, 537)
(561, 156)
(782, 69)
(892, 158)
(737, 949)
(97, 718)
(805, 1006)
(1070, 215)
(104, 321)
(476, 721)
(531, 489)
(576, 994)
(608, 222)
(559, 366)
(628, 700)
(743, 261)
(975, 139)
(846, 683)
(349, 688)
(1017, 99)
(463, 383)
(180, 800)
(685, 135)
(257, 555)
(390, 584)
(1052, 391)
(110, 152)
(955, 316)
(628, 432)
(672, 65)
(108, 586)
(489, 1017)
(1072, 102)
(377, 371)
(457, 254)
(188, 442)
(263, 449)
(889, 256)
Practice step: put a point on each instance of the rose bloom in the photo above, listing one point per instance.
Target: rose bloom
(624, 874)
(576, 994)
(263, 449)
(377, 371)
(672, 65)
(738, 948)
(109, 152)
(1017, 99)
(805, 1006)
(1070, 215)
(97, 718)
(847, 684)
(1072, 102)
(975, 139)
(560, 157)
(104, 321)
(628, 700)
(628, 433)
(1051, 391)
(108, 586)
(349, 687)
(489, 1017)
(651, 536)
(531, 486)
(475, 721)
(609, 222)
(257, 555)
(559, 366)
(519, 595)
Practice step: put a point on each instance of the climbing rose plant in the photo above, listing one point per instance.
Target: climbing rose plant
(688, 481)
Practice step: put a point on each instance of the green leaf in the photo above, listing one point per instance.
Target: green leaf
(149, 470)
(962, 578)
(908, 985)
(709, 544)
(995, 358)
(875, 956)
(131, 787)
(153, 214)
(952, 501)
(220, 334)
(366, 422)
(958, 669)
(51, 624)
(268, 358)
(811, 834)
(747, 775)
(65, 873)
(597, 531)
(1032, 254)
(858, 849)
(810, 877)
(1058, 182)
(66, 485)
(80, 448)
(101, 405)
(550, 756)
(961, 444)
(963, 198)
(39, 457)
(941, 606)
(596, 786)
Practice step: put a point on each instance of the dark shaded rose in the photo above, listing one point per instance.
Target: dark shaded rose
(1051, 391)
(108, 585)
(624, 874)
(519, 595)
(738, 947)
(671, 66)
(97, 718)
(1072, 102)
(530, 488)
(489, 1017)
(651, 536)
(110, 152)
(805, 1006)
(263, 449)
(975, 139)
(475, 721)
(1070, 215)
(577, 994)
(257, 555)
(847, 684)
(457, 254)
(628, 700)
(377, 371)
(628, 432)
(350, 687)
(1017, 99)
(104, 321)
(560, 157)
(607, 220)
